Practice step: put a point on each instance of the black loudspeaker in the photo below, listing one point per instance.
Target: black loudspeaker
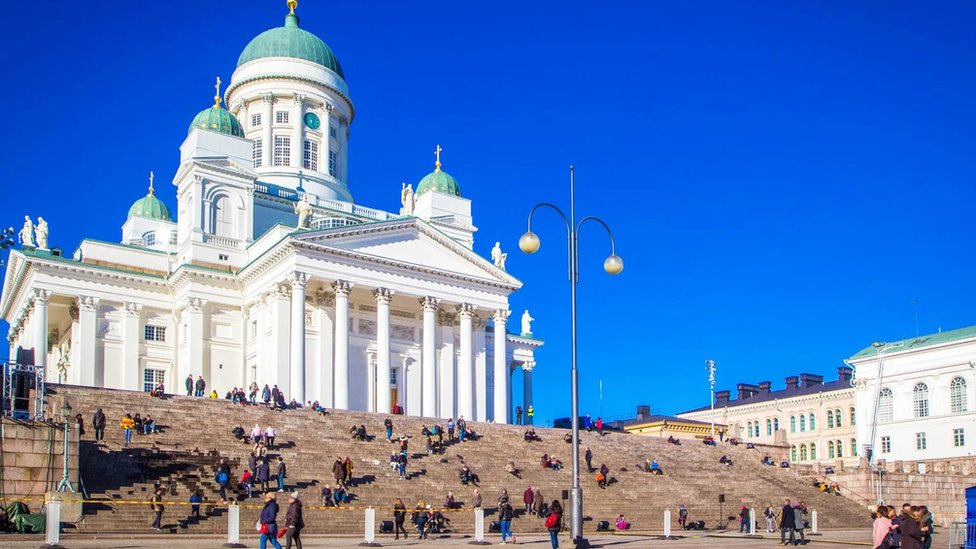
(565, 494)
(721, 498)
(386, 527)
(494, 527)
(603, 526)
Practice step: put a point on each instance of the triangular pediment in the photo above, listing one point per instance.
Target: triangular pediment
(410, 243)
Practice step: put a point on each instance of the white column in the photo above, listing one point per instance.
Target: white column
(447, 375)
(326, 302)
(298, 132)
(131, 313)
(296, 385)
(383, 297)
(88, 330)
(479, 381)
(527, 368)
(429, 357)
(267, 134)
(40, 327)
(501, 404)
(342, 289)
(465, 375)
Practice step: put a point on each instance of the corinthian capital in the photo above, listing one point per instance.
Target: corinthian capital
(501, 316)
(429, 303)
(88, 303)
(41, 296)
(341, 288)
(383, 295)
(528, 366)
(466, 310)
(299, 280)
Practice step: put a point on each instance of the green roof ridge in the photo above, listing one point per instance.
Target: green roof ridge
(918, 342)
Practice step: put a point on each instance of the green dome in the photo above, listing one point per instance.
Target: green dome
(291, 41)
(150, 207)
(217, 119)
(439, 181)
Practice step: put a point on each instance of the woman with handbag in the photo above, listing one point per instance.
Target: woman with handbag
(294, 522)
(268, 523)
(554, 522)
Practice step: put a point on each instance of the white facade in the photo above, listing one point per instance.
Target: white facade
(916, 397)
(360, 309)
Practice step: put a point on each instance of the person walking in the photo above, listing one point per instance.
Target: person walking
(518, 415)
(770, 516)
(223, 479)
(505, 514)
(402, 465)
(399, 516)
(599, 426)
(787, 523)
(269, 436)
(347, 471)
(799, 522)
(528, 498)
(196, 498)
(909, 532)
(156, 505)
(269, 522)
(682, 515)
(881, 528)
(743, 519)
(266, 395)
(589, 459)
(388, 423)
(253, 393)
(264, 473)
(127, 424)
(337, 471)
(540, 502)
(98, 423)
(282, 470)
(450, 429)
(554, 522)
(294, 521)
(189, 385)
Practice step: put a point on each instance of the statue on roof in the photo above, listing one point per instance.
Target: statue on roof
(527, 323)
(498, 257)
(304, 210)
(26, 234)
(41, 233)
(406, 199)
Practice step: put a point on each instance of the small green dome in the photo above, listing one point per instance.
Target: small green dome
(291, 41)
(217, 119)
(439, 181)
(150, 207)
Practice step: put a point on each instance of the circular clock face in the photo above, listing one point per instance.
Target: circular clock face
(312, 120)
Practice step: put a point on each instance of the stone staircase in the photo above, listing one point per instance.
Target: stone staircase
(196, 434)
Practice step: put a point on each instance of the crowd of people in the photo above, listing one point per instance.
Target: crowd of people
(912, 528)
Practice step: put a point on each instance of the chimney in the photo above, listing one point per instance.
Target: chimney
(809, 380)
(643, 411)
(844, 373)
(765, 387)
(792, 382)
(746, 390)
(722, 397)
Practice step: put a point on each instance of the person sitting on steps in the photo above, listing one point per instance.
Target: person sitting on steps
(466, 476)
(530, 435)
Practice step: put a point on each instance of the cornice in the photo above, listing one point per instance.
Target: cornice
(208, 168)
(271, 77)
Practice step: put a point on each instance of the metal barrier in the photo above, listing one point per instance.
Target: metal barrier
(962, 535)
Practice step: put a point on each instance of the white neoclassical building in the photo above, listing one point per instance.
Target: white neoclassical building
(270, 272)
(916, 396)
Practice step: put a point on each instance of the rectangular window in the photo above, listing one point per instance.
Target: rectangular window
(332, 131)
(257, 153)
(885, 445)
(333, 164)
(958, 438)
(282, 150)
(311, 155)
(172, 237)
(919, 441)
(151, 378)
(281, 117)
(155, 333)
(149, 239)
(253, 329)
(255, 120)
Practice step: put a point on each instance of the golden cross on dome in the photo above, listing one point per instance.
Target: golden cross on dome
(151, 176)
(292, 4)
(437, 153)
(217, 96)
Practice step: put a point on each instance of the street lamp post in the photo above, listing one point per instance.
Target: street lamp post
(881, 346)
(529, 243)
(710, 368)
(65, 483)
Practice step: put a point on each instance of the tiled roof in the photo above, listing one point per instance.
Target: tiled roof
(920, 341)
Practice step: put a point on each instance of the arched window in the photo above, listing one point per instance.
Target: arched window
(838, 418)
(840, 449)
(769, 427)
(222, 217)
(830, 449)
(921, 400)
(749, 429)
(957, 395)
(803, 452)
(803, 423)
(885, 405)
(853, 417)
(775, 424)
(793, 453)
(813, 451)
(792, 424)
(830, 419)
(813, 422)
(853, 447)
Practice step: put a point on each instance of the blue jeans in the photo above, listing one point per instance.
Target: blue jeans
(782, 534)
(389, 434)
(506, 527)
(461, 434)
(553, 537)
(128, 436)
(403, 469)
(281, 483)
(272, 536)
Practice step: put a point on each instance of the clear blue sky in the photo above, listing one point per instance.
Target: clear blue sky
(784, 178)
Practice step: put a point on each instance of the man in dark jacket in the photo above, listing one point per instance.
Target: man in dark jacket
(189, 385)
(156, 504)
(787, 524)
(294, 522)
(264, 472)
(201, 386)
(98, 422)
(589, 460)
(909, 532)
(338, 472)
(528, 498)
(282, 472)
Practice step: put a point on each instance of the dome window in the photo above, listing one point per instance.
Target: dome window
(149, 239)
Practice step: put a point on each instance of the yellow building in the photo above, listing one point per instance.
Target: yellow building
(647, 424)
(816, 419)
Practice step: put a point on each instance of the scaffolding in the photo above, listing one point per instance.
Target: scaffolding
(23, 391)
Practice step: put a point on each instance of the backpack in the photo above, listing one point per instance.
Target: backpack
(552, 520)
(221, 477)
